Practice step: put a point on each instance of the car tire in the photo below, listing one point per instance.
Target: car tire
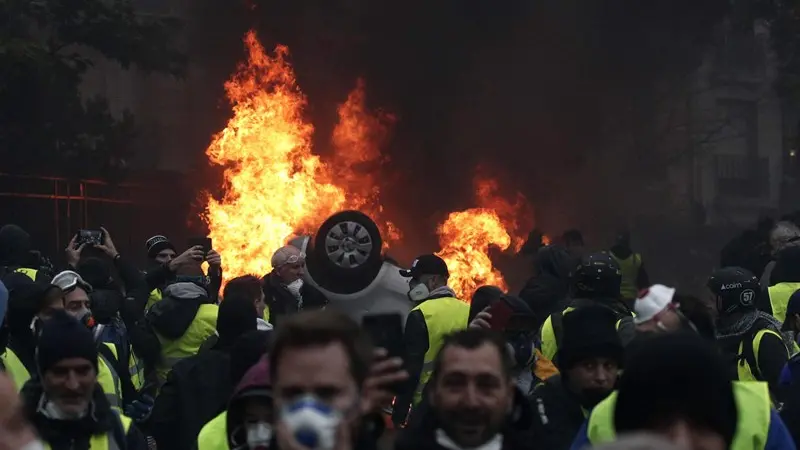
(347, 252)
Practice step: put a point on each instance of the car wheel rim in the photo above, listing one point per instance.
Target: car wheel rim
(348, 245)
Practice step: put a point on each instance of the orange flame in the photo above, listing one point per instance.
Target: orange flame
(465, 238)
(274, 185)
(357, 141)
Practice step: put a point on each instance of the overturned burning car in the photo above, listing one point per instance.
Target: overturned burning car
(344, 260)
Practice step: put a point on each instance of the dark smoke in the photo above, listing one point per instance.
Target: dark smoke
(560, 96)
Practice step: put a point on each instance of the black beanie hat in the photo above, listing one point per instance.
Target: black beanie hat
(156, 244)
(675, 376)
(64, 337)
(589, 332)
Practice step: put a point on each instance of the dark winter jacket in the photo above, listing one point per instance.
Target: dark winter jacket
(550, 285)
(76, 434)
(282, 303)
(557, 414)
(421, 434)
(196, 390)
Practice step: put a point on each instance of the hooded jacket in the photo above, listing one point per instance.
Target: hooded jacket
(173, 315)
(256, 383)
(550, 286)
(76, 434)
(557, 414)
(421, 434)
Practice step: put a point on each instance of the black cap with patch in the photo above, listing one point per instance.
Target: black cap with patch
(736, 288)
(426, 265)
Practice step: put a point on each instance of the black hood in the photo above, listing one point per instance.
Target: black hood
(553, 261)
(787, 266)
(15, 246)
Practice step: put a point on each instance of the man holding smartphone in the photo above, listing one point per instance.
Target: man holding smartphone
(438, 313)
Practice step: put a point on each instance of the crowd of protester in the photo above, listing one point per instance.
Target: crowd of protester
(104, 355)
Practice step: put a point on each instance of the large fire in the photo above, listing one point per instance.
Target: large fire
(466, 236)
(274, 185)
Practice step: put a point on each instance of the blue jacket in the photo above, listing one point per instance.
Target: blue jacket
(778, 437)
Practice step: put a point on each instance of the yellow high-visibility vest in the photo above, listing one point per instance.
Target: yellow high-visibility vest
(752, 402)
(443, 316)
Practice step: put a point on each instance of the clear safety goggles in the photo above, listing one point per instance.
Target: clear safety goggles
(69, 280)
(294, 259)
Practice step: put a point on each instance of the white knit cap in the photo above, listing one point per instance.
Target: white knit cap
(651, 302)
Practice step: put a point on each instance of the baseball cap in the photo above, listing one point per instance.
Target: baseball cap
(652, 301)
(426, 265)
(793, 307)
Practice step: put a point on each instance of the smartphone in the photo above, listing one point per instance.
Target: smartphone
(501, 314)
(91, 237)
(386, 331)
(204, 242)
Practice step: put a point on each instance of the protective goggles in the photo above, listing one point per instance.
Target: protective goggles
(294, 259)
(69, 280)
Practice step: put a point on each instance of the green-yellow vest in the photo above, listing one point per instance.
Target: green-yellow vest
(779, 298)
(630, 272)
(31, 273)
(108, 378)
(136, 370)
(106, 441)
(265, 316)
(152, 299)
(214, 435)
(752, 402)
(443, 316)
(203, 326)
(15, 369)
(743, 369)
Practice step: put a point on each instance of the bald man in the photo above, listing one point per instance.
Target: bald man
(285, 292)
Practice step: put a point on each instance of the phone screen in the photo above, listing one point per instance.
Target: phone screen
(501, 314)
(386, 331)
(204, 242)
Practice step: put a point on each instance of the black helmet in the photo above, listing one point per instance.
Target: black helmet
(735, 288)
(597, 275)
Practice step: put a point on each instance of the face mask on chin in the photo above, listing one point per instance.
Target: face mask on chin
(52, 411)
(258, 435)
(295, 286)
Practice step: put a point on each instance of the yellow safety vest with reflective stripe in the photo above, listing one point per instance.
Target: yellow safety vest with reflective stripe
(743, 369)
(136, 370)
(31, 273)
(752, 402)
(214, 435)
(106, 441)
(630, 272)
(779, 298)
(443, 316)
(549, 341)
(265, 316)
(15, 369)
(153, 298)
(108, 378)
(203, 326)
